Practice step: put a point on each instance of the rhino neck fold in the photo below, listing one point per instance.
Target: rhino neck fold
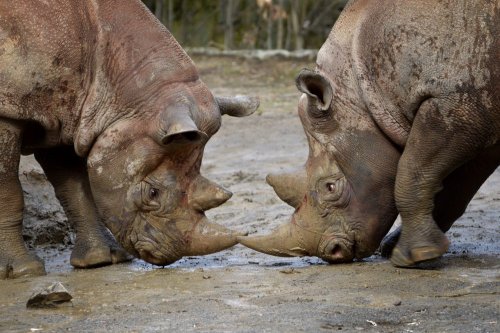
(93, 111)
(134, 60)
(345, 49)
(384, 109)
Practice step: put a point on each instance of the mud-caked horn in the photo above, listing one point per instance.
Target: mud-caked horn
(177, 125)
(208, 237)
(289, 186)
(206, 195)
(284, 241)
(238, 106)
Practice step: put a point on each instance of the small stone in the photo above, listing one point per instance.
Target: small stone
(397, 303)
(289, 271)
(52, 296)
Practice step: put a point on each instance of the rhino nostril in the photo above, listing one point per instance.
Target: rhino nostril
(336, 252)
(184, 137)
(192, 136)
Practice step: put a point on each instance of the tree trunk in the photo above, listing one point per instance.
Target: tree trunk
(228, 33)
(170, 14)
(269, 29)
(184, 22)
(159, 9)
(279, 37)
(296, 24)
(289, 32)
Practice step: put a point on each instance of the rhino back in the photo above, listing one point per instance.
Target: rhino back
(45, 53)
(403, 52)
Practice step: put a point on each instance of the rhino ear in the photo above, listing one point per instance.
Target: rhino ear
(316, 87)
(177, 126)
(238, 106)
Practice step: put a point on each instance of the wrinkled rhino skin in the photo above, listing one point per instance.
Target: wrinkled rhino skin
(116, 115)
(402, 114)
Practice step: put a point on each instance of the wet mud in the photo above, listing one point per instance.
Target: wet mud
(240, 290)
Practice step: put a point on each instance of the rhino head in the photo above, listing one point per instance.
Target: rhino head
(143, 127)
(343, 197)
(146, 181)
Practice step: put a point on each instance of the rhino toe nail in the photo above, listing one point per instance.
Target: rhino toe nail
(119, 256)
(425, 253)
(400, 260)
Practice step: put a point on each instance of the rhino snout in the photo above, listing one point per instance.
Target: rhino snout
(336, 250)
(158, 247)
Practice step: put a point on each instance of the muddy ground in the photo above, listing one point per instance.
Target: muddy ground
(239, 290)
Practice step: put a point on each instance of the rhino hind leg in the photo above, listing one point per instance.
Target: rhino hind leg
(461, 185)
(15, 260)
(389, 242)
(432, 152)
(94, 244)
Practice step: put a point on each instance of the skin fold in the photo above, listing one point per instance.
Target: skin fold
(118, 118)
(402, 115)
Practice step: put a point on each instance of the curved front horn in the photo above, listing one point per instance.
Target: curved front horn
(282, 242)
(238, 106)
(206, 195)
(290, 187)
(208, 237)
(177, 125)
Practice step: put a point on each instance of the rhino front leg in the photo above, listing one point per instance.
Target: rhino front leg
(445, 134)
(458, 190)
(94, 244)
(15, 260)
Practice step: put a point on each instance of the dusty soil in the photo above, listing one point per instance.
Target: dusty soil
(244, 291)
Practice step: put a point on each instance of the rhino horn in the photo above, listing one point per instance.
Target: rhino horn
(208, 237)
(290, 187)
(282, 242)
(178, 126)
(238, 106)
(206, 195)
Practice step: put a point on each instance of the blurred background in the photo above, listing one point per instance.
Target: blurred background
(248, 24)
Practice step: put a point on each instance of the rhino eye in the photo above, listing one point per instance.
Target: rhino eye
(154, 193)
(333, 191)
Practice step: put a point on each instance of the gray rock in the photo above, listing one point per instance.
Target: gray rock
(55, 295)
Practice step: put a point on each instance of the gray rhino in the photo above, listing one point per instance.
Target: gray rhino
(116, 114)
(402, 115)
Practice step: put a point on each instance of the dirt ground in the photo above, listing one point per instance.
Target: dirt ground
(239, 290)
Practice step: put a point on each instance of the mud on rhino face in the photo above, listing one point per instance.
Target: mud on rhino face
(145, 176)
(343, 198)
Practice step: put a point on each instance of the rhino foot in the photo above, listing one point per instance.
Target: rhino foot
(100, 251)
(20, 266)
(389, 242)
(410, 251)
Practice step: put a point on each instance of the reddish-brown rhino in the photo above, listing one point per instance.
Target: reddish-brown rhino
(117, 116)
(402, 114)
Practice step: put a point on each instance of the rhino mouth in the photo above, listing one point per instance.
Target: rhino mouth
(148, 253)
(333, 246)
(154, 246)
